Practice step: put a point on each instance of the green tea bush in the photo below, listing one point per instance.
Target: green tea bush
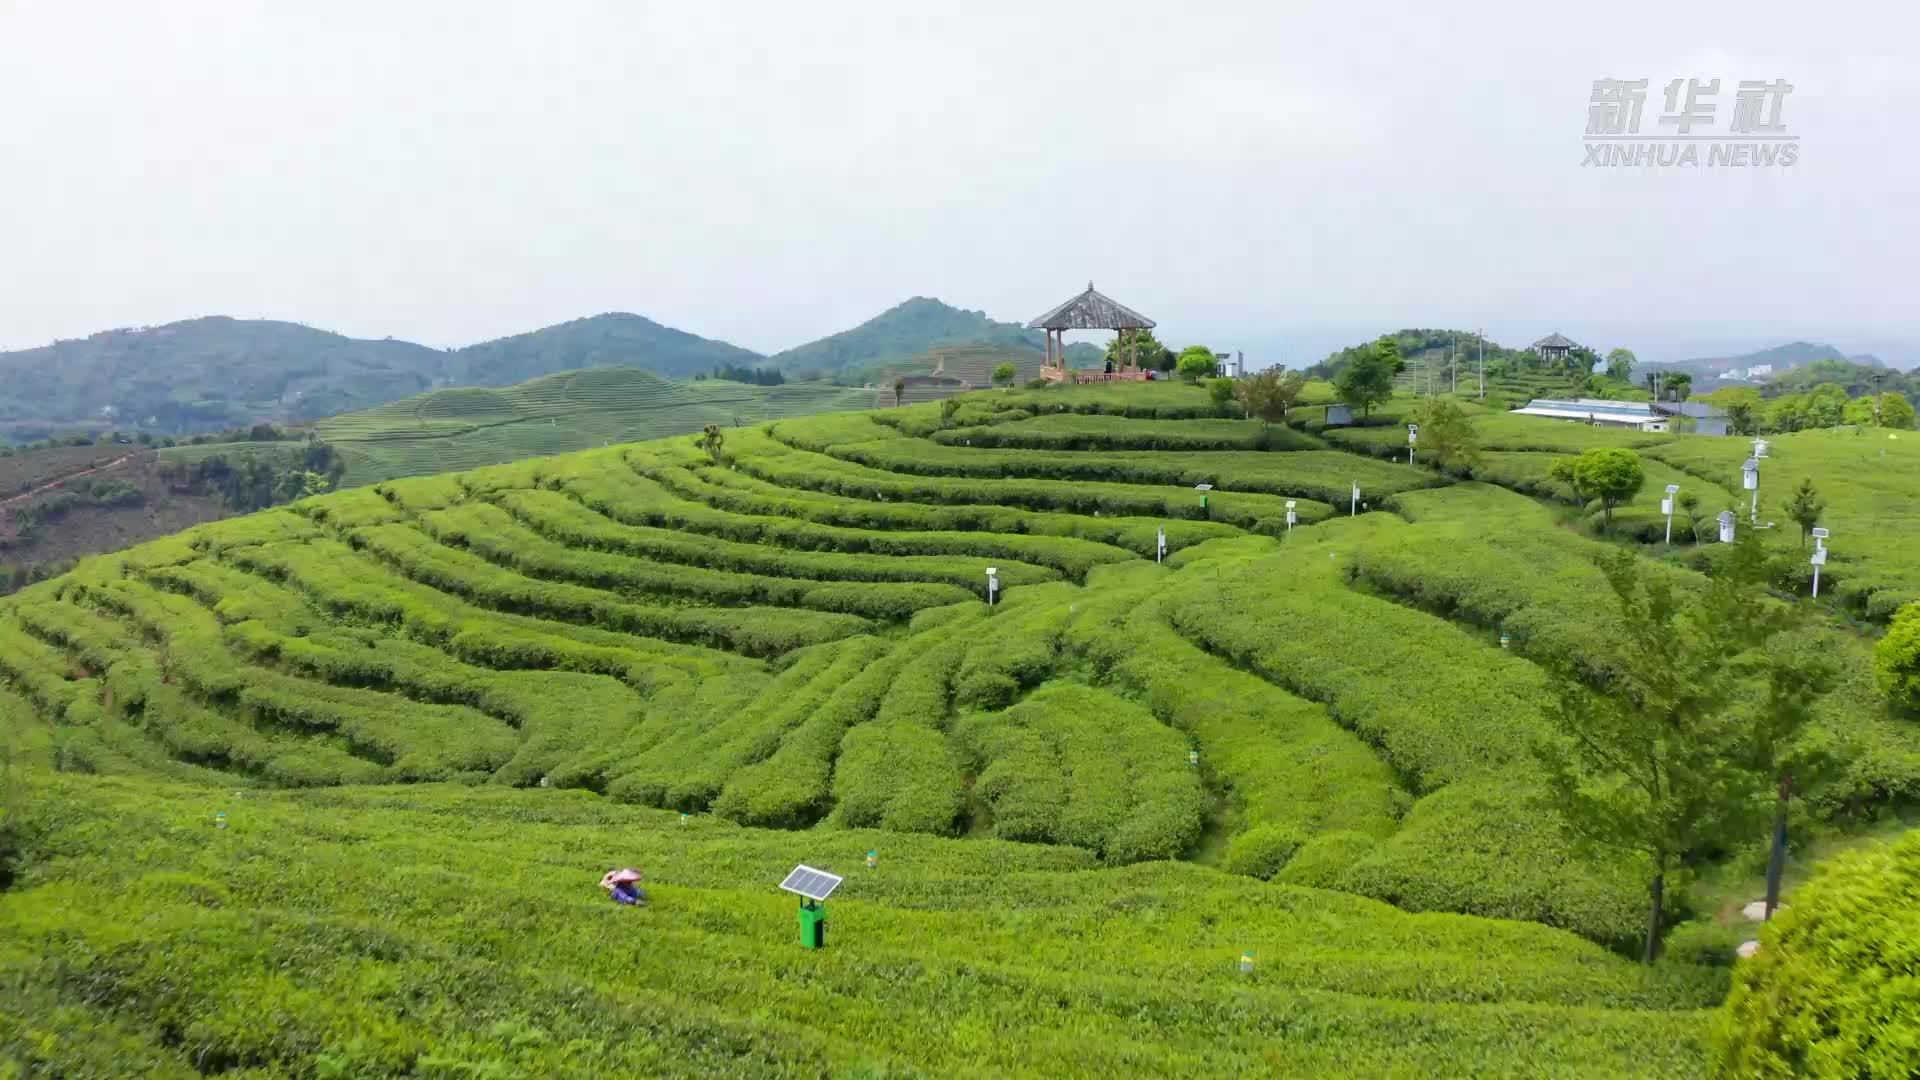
(1832, 990)
(1288, 770)
(790, 469)
(637, 500)
(477, 908)
(755, 631)
(744, 493)
(898, 772)
(1440, 704)
(1897, 659)
(1323, 475)
(1075, 431)
(1076, 765)
(561, 518)
(492, 533)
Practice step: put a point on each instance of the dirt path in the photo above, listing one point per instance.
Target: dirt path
(51, 484)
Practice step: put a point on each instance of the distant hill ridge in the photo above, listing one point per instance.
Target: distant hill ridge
(215, 372)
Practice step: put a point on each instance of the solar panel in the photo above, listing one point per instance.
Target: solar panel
(810, 883)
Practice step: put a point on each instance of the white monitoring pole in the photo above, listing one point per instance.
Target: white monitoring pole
(1355, 512)
(1160, 549)
(1666, 507)
(1750, 479)
(1290, 514)
(1819, 557)
(1413, 433)
(993, 584)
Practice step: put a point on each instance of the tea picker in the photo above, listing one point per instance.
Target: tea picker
(623, 887)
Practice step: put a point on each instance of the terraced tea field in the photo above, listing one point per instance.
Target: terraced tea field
(467, 427)
(362, 759)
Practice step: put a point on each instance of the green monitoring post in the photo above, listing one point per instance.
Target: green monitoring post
(813, 887)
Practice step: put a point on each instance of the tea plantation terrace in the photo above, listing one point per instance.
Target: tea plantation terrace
(434, 710)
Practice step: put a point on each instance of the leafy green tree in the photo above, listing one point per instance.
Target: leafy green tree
(1620, 364)
(712, 440)
(1826, 406)
(1221, 390)
(1896, 660)
(1804, 507)
(1678, 385)
(313, 483)
(1690, 506)
(1143, 348)
(1880, 410)
(1446, 433)
(1197, 362)
(1368, 379)
(1671, 759)
(899, 391)
(1269, 395)
(1611, 475)
(948, 406)
(1003, 375)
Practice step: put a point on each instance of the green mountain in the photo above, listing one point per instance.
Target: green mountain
(616, 338)
(216, 372)
(203, 374)
(901, 333)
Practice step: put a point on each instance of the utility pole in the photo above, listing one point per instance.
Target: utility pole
(1482, 335)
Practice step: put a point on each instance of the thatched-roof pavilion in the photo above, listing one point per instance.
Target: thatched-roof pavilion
(1088, 311)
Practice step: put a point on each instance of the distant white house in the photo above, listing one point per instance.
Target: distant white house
(1621, 414)
(1759, 371)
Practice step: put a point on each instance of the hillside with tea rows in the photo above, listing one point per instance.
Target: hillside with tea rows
(361, 759)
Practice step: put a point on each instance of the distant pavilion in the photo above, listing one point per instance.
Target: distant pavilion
(1554, 347)
(1089, 311)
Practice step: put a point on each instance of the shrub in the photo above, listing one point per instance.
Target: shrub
(1832, 990)
(1897, 658)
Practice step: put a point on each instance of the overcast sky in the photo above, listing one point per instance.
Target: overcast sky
(1278, 177)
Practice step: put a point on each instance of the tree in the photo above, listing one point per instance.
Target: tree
(1221, 390)
(1804, 507)
(1896, 411)
(1003, 375)
(1580, 361)
(948, 406)
(1880, 410)
(1896, 660)
(1446, 433)
(1567, 471)
(1611, 475)
(1196, 362)
(711, 440)
(1670, 759)
(1690, 505)
(1678, 385)
(1742, 405)
(1269, 395)
(1142, 347)
(899, 390)
(1826, 406)
(1620, 364)
(313, 483)
(1368, 380)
